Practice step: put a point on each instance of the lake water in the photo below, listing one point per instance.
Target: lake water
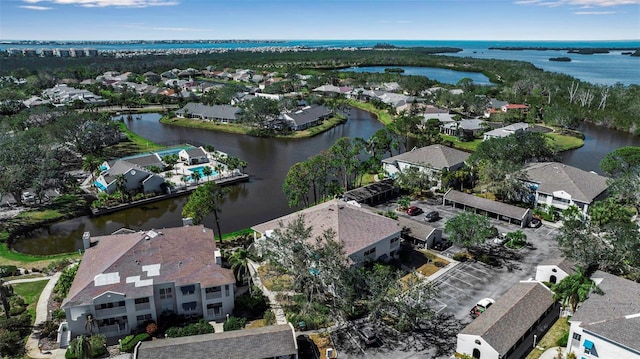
(261, 199)
(603, 69)
(441, 75)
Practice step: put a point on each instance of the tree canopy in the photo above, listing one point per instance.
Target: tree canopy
(468, 229)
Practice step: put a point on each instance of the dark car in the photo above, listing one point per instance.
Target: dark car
(442, 245)
(432, 216)
(535, 223)
(414, 211)
(307, 349)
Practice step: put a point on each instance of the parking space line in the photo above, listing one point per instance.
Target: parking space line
(452, 286)
(481, 270)
(465, 282)
(471, 275)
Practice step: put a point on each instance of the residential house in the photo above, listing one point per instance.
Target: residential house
(62, 94)
(494, 106)
(274, 341)
(137, 178)
(330, 90)
(194, 156)
(506, 329)
(471, 127)
(420, 234)
(560, 186)
(607, 326)
(145, 161)
(430, 159)
(507, 130)
(493, 209)
(221, 113)
(126, 280)
(514, 107)
(554, 270)
(307, 117)
(363, 234)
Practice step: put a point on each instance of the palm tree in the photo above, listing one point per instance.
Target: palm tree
(5, 292)
(81, 347)
(121, 185)
(91, 164)
(196, 176)
(218, 169)
(207, 171)
(239, 263)
(574, 289)
(185, 179)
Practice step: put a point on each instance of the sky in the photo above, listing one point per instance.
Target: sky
(320, 19)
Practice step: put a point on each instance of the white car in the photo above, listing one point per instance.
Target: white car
(481, 307)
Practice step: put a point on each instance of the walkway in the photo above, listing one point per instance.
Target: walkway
(42, 314)
(551, 353)
(275, 305)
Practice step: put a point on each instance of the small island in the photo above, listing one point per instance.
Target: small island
(394, 70)
(560, 59)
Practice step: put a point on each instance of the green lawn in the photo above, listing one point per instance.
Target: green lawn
(565, 142)
(30, 292)
(468, 146)
(383, 116)
(556, 332)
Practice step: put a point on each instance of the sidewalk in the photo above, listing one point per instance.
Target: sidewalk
(42, 314)
(275, 306)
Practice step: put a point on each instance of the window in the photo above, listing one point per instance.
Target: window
(142, 300)
(213, 290)
(166, 293)
(476, 353)
(370, 252)
(141, 319)
(188, 289)
(226, 290)
(394, 240)
(577, 336)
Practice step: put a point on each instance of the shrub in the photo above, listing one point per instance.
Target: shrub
(129, 342)
(269, 318)
(151, 329)
(201, 327)
(234, 323)
(8, 271)
(59, 314)
(49, 330)
(65, 281)
(460, 257)
(563, 340)
(251, 306)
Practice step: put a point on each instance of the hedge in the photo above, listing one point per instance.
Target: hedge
(129, 342)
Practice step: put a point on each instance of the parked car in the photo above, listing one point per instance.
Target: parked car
(368, 335)
(535, 223)
(500, 239)
(432, 216)
(442, 245)
(414, 211)
(481, 307)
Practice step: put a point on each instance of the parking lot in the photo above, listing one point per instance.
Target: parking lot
(463, 285)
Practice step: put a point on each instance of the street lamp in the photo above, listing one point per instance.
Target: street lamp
(535, 337)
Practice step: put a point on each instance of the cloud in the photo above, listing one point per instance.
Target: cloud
(581, 3)
(594, 12)
(33, 7)
(107, 3)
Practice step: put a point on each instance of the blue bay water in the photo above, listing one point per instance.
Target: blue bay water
(603, 69)
(444, 76)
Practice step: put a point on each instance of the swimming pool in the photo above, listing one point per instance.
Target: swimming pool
(200, 169)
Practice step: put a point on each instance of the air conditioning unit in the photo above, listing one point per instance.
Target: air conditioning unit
(330, 353)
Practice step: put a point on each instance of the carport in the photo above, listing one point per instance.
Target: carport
(420, 234)
(497, 210)
(373, 193)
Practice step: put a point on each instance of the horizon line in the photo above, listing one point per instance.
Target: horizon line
(276, 39)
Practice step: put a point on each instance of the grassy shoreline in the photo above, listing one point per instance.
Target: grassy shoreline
(241, 129)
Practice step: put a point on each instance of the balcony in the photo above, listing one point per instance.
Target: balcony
(111, 312)
(214, 295)
(114, 329)
(143, 306)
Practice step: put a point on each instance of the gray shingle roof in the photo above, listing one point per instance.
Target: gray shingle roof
(217, 111)
(435, 156)
(511, 316)
(416, 229)
(583, 186)
(186, 255)
(355, 227)
(309, 114)
(605, 314)
(146, 160)
(265, 342)
(121, 167)
(486, 204)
